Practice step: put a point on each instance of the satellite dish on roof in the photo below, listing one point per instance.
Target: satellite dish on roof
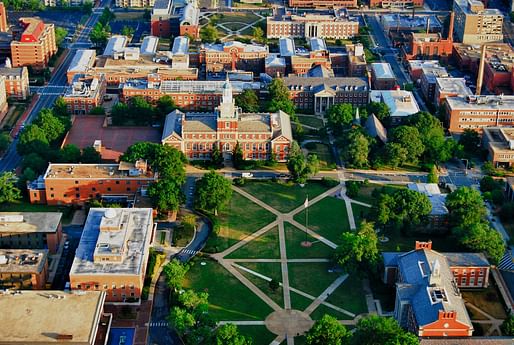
(110, 214)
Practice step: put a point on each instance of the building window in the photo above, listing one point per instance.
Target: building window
(117, 182)
(76, 182)
(108, 189)
(463, 281)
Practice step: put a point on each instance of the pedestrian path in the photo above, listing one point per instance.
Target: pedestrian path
(158, 324)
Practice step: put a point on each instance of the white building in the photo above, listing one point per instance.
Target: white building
(401, 103)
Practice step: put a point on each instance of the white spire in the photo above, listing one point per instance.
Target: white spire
(227, 92)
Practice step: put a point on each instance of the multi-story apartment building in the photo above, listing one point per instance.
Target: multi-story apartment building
(259, 135)
(16, 82)
(429, 75)
(3, 98)
(478, 112)
(65, 184)
(474, 24)
(134, 3)
(175, 18)
(318, 94)
(499, 143)
(85, 93)
(322, 3)
(113, 253)
(382, 76)
(395, 3)
(233, 55)
(428, 300)
(187, 95)
(3, 18)
(450, 87)
(34, 44)
(53, 316)
(336, 26)
(33, 230)
(23, 269)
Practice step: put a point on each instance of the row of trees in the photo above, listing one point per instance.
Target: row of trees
(101, 31)
(139, 111)
(190, 314)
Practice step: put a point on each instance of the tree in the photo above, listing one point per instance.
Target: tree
(169, 162)
(327, 331)
(357, 149)
(258, 34)
(119, 113)
(403, 207)
(376, 330)
(166, 195)
(97, 111)
(432, 176)
(194, 301)
(141, 150)
(60, 33)
(164, 106)
(175, 272)
(32, 139)
(437, 148)
(106, 16)
(216, 156)
(488, 184)
(51, 125)
(301, 168)
(380, 110)
(209, 33)
(127, 31)
(340, 115)
(248, 101)
(280, 99)
(213, 192)
(228, 334)
(358, 251)
(480, 237)
(90, 155)
(181, 320)
(5, 141)
(409, 138)
(274, 284)
(470, 141)
(35, 162)
(87, 7)
(395, 154)
(99, 34)
(140, 110)
(70, 154)
(8, 190)
(466, 207)
(507, 327)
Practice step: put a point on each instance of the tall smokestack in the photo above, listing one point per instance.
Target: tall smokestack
(428, 25)
(480, 76)
(450, 29)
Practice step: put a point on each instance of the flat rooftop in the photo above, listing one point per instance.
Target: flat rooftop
(481, 103)
(453, 85)
(27, 222)
(382, 70)
(22, 260)
(122, 234)
(39, 317)
(82, 60)
(400, 102)
(500, 138)
(91, 171)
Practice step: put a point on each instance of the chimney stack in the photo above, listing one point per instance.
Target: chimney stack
(480, 76)
(450, 29)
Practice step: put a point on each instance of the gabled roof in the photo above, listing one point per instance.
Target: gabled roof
(320, 71)
(172, 125)
(375, 128)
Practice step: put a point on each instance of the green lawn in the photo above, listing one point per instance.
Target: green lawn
(361, 212)
(243, 17)
(228, 298)
(269, 269)
(326, 159)
(234, 26)
(294, 238)
(283, 196)
(312, 121)
(366, 191)
(240, 218)
(320, 311)
(25, 206)
(299, 302)
(311, 278)
(262, 247)
(259, 334)
(327, 217)
(350, 296)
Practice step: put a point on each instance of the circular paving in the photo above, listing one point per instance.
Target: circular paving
(288, 322)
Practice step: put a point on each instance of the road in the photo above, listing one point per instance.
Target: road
(55, 87)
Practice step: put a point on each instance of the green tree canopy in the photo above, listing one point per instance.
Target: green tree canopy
(213, 191)
(228, 334)
(164, 106)
(357, 148)
(340, 115)
(8, 190)
(300, 167)
(32, 139)
(90, 155)
(376, 330)
(507, 326)
(403, 207)
(358, 251)
(279, 98)
(395, 154)
(175, 272)
(380, 110)
(209, 33)
(70, 154)
(466, 207)
(258, 34)
(409, 138)
(470, 141)
(60, 33)
(432, 176)
(480, 237)
(5, 141)
(166, 195)
(248, 101)
(51, 125)
(100, 34)
(327, 331)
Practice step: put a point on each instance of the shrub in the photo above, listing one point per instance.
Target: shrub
(310, 146)
(239, 181)
(352, 188)
(329, 182)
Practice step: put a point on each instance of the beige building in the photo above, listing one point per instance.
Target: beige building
(113, 253)
(23, 269)
(34, 45)
(3, 98)
(50, 317)
(34, 230)
(134, 3)
(16, 82)
(499, 143)
(474, 24)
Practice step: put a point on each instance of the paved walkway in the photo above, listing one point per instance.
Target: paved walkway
(280, 321)
(491, 320)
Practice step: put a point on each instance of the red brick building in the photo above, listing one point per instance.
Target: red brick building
(65, 184)
(322, 3)
(233, 55)
(302, 64)
(395, 3)
(428, 300)
(85, 93)
(16, 82)
(259, 135)
(175, 18)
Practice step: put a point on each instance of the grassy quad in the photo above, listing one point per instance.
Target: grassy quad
(284, 196)
(269, 269)
(327, 217)
(349, 296)
(239, 219)
(325, 156)
(228, 298)
(311, 278)
(294, 238)
(312, 121)
(365, 192)
(262, 247)
(260, 335)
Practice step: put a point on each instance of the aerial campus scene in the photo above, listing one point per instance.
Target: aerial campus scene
(237, 172)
